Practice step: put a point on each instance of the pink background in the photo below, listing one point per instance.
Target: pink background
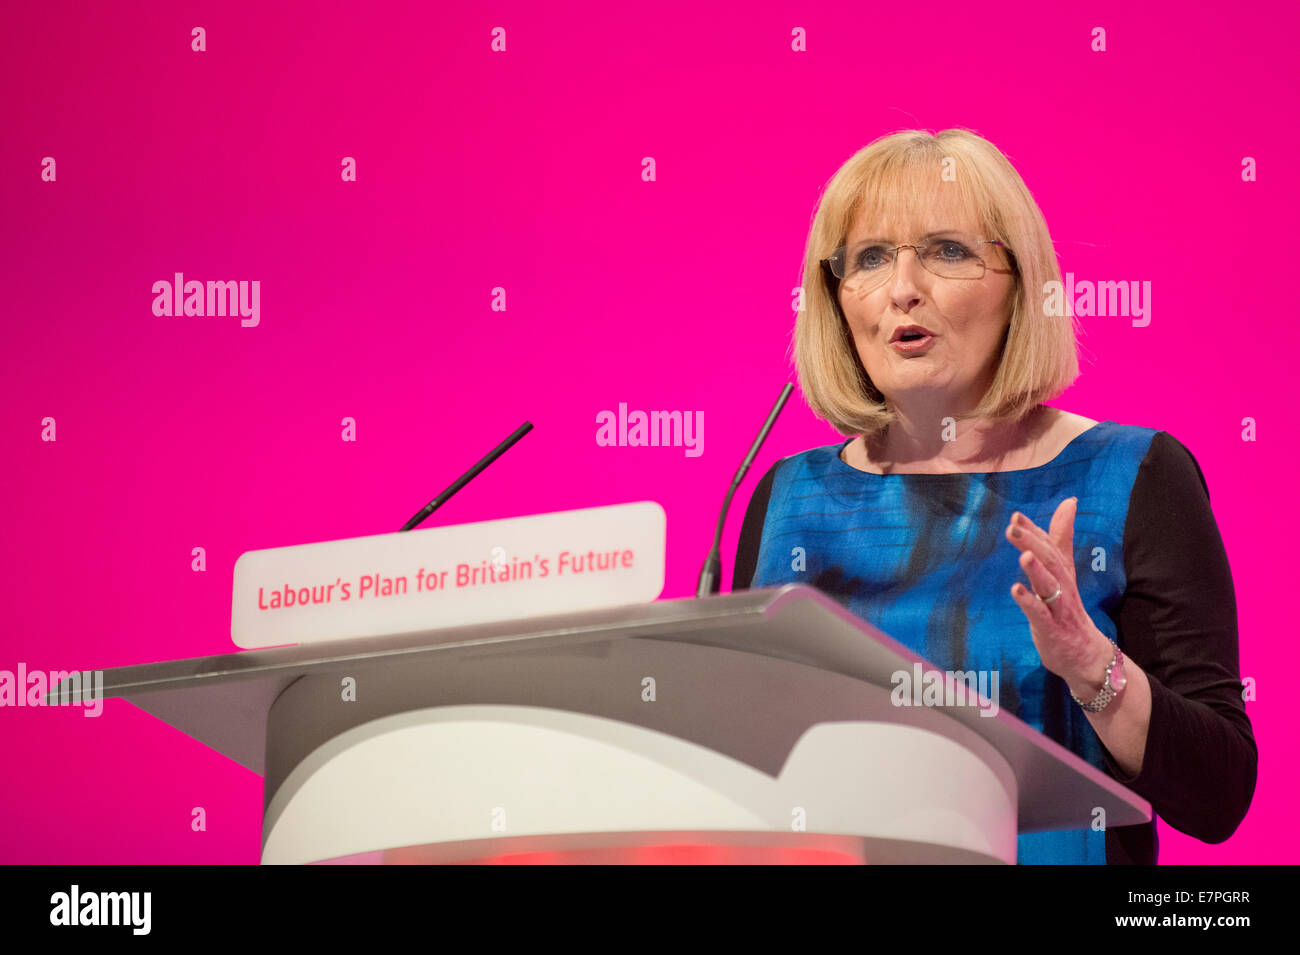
(522, 170)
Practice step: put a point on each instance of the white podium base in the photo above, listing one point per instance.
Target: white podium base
(465, 782)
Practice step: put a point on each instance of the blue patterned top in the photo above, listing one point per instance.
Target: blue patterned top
(923, 557)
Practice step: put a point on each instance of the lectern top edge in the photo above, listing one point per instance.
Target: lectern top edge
(602, 623)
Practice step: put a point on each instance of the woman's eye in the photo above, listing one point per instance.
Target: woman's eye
(871, 258)
(954, 251)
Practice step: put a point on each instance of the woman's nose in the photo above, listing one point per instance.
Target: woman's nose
(907, 265)
(907, 271)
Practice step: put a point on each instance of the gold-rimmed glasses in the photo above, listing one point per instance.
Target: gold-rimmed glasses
(866, 265)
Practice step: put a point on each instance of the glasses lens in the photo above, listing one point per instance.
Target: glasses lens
(953, 258)
(866, 265)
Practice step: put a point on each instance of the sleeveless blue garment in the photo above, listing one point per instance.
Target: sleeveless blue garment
(924, 558)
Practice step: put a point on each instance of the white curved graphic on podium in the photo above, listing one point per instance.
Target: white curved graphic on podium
(476, 772)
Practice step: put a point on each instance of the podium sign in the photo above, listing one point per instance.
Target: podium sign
(414, 581)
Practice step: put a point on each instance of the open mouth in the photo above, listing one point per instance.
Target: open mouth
(910, 333)
(911, 342)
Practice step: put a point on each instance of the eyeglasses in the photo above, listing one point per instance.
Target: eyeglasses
(866, 266)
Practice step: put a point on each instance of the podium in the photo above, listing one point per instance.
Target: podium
(759, 721)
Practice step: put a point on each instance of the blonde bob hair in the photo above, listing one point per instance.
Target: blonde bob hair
(896, 178)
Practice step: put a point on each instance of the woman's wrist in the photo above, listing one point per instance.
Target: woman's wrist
(1088, 681)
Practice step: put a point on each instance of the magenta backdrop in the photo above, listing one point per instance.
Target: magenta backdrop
(522, 170)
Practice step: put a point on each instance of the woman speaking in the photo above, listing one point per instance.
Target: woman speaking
(985, 530)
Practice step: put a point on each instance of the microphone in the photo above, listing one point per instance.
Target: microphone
(711, 574)
(469, 475)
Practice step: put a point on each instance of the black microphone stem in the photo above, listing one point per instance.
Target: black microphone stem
(469, 475)
(710, 581)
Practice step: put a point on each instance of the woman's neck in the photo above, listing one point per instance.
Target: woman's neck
(934, 445)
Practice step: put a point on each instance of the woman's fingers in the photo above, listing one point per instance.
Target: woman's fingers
(1035, 542)
(1062, 532)
(1038, 613)
(1043, 581)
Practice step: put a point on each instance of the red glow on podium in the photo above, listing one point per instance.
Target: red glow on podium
(674, 854)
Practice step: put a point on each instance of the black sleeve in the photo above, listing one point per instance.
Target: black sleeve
(1178, 622)
(751, 532)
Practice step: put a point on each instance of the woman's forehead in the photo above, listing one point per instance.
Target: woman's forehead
(899, 219)
(913, 229)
